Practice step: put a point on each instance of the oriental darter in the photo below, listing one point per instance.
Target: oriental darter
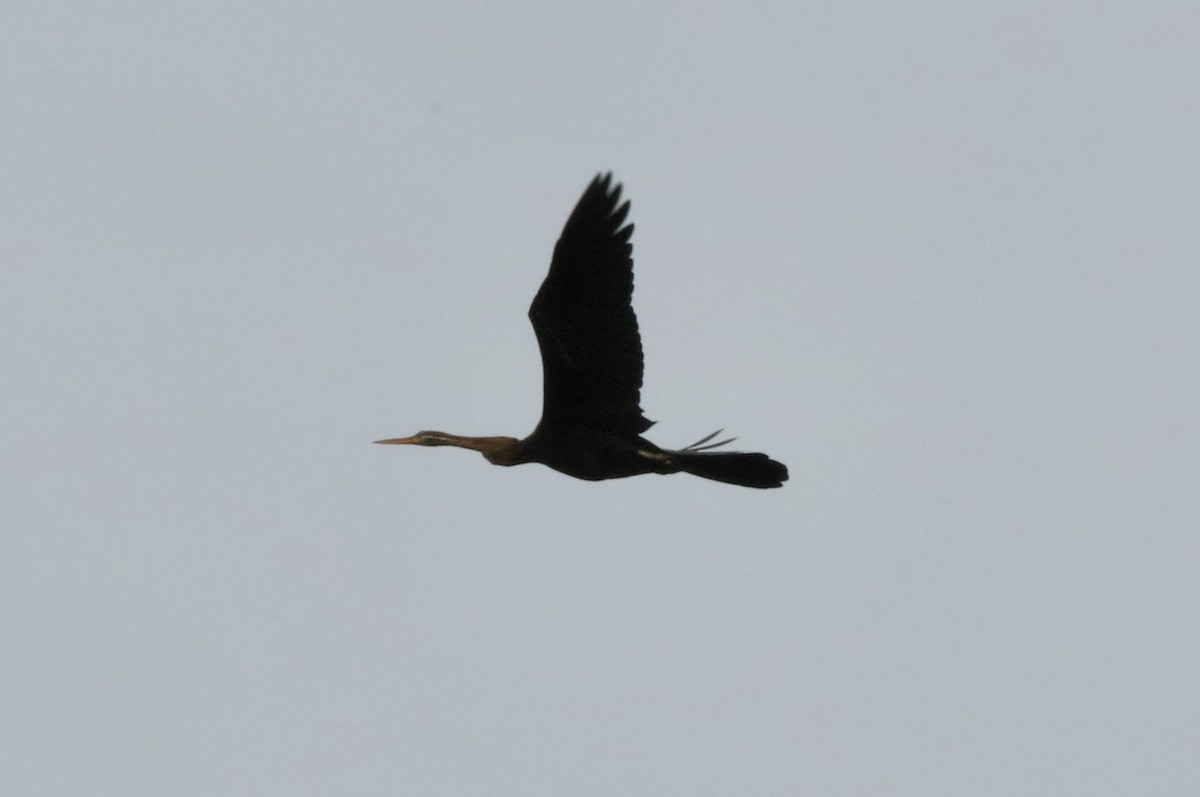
(592, 421)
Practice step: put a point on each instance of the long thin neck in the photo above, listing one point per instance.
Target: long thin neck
(497, 450)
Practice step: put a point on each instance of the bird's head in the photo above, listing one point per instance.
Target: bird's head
(421, 439)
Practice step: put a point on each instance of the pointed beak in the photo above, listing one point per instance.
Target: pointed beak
(399, 441)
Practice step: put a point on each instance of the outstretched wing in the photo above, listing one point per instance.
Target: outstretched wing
(585, 326)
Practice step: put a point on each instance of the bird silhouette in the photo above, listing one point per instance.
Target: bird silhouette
(592, 419)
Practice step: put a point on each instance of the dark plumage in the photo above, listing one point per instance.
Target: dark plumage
(592, 420)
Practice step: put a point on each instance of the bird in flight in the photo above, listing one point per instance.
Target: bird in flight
(592, 421)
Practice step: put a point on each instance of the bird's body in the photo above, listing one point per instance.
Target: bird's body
(587, 332)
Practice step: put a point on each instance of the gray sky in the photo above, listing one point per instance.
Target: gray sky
(939, 258)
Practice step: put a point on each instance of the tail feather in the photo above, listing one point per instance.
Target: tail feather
(746, 470)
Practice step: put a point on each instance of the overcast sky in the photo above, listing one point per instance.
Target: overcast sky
(940, 258)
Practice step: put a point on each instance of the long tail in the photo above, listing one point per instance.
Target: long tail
(731, 467)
